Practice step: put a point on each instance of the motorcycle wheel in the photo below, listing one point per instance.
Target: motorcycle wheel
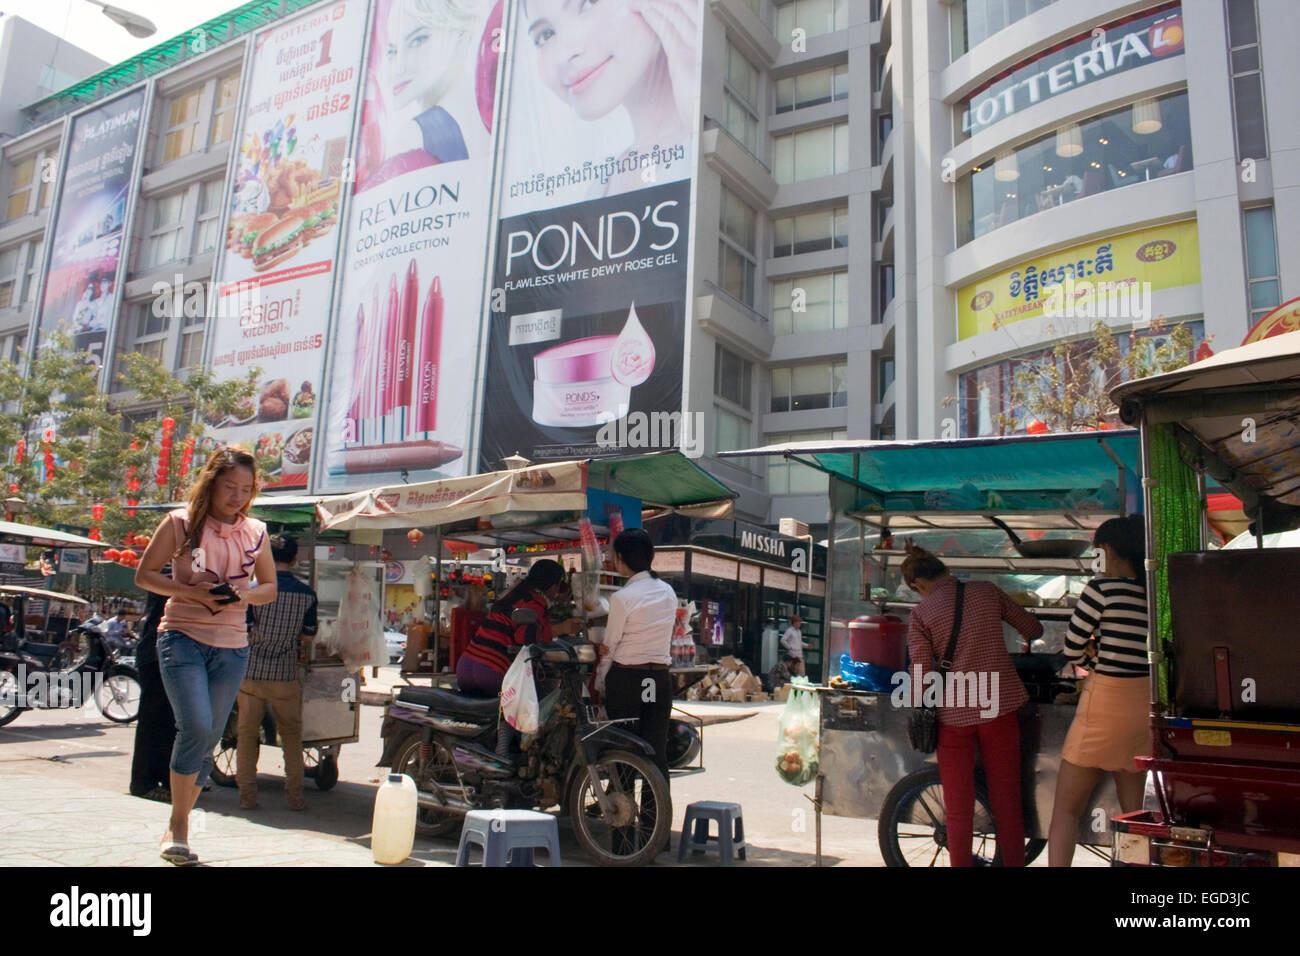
(118, 696)
(638, 832)
(9, 691)
(327, 773)
(406, 757)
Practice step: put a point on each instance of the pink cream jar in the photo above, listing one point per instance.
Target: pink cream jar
(574, 386)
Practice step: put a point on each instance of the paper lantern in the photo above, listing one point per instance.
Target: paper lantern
(168, 424)
(1036, 427)
(1146, 117)
(97, 512)
(129, 539)
(112, 554)
(1069, 141)
(415, 536)
(13, 489)
(1006, 168)
(19, 451)
(142, 540)
(94, 534)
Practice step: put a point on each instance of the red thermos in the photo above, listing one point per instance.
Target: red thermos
(879, 639)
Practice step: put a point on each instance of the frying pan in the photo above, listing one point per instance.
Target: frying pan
(1047, 548)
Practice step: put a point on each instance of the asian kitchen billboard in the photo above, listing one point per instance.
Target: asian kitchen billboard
(80, 284)
(589, 292)
(413, 266)
(274, 278)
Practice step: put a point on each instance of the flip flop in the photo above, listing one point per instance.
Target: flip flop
(178, 853)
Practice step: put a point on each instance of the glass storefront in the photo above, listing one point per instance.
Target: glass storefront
(1147, 139)
(974, 21)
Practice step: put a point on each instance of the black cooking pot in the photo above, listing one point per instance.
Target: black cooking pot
(1046, 548)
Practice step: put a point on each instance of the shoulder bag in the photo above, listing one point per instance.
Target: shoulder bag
(923, 722)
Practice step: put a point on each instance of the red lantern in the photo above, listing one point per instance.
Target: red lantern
(1036, 427)
(133, 485)
(129, 539)
(97, 512)
(131, 503)
(20, 451)
(386, 555)
(142, 540)
(415, 536)
(167, 425)
(13, 489)
(112, 554)
(94, 534)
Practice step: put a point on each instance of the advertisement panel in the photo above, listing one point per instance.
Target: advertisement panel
(275, 276)
(589, 294)
(1114, 48)
(402, 374)
(80, 284)
(1164, 256)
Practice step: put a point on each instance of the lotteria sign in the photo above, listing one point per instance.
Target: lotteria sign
(1112, 49)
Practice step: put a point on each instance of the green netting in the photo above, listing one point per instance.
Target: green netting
(1175, 525)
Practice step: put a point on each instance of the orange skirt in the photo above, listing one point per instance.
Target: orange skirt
(1112, 723)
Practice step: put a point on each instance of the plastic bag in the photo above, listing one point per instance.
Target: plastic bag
(519, 694)
(357, 636)
(797, 734)
(866, 676)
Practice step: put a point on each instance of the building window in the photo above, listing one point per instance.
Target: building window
(1261, 263)
(815, 17)
(11, 347)
(811, 154)
(741, 92)
(730, 431)
(791, 477)
(1148, 139)
(29, 292)
(974, 21)
(180, 138)
(799, 388)
(881, 214)
(884, 375)
(737, 248)
(20, 188)
(811, 232)
(223, 110)
(10, 276)
(885, 288)
(812, 88)
(813, 303)
(150, 332)
(165, 229)
(192, 333)
(209, 221)
(884, 126)
(1247, 80)
(733, 377)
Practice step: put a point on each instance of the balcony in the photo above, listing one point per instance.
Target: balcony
(744, 172)
(747, 30)
(734, 323)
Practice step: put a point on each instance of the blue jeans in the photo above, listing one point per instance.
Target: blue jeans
(202, 683)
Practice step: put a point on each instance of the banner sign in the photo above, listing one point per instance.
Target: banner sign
(589, 294)
(406, 352)
(1118, 47)
(80, 283)
(1164, 256)
(275, 276)
(1285, 318)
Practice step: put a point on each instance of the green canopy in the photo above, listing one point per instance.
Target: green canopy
(665, 479)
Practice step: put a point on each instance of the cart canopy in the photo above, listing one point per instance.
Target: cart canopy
(12, 532)
(661, 480)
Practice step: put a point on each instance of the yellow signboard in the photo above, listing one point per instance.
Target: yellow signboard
(1164, 256)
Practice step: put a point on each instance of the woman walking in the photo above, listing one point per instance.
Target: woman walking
(1111, 723)
(981, 652)
(216, 550)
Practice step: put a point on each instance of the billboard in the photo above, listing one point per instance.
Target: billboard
(589, 291)
(406, 350)
(274, 278)
(80, 282)
(1164, 256)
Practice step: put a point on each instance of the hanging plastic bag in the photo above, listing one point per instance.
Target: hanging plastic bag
(357, 635)
(797, 734)
(519, 694)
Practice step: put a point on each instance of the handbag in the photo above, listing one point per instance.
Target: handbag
(923, 722)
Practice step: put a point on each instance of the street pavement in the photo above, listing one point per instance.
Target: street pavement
(64, 800)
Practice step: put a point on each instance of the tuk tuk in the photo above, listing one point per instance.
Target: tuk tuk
(1225, 680)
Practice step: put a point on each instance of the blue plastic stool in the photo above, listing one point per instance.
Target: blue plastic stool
(509, 835)
(731, 830)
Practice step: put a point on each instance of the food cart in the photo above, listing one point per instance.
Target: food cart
(967, 500)
(1225, 685)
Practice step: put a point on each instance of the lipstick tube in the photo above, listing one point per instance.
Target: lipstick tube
(354, 406)
(405, 363)
(386, 367)
(428, 358)
(411, 455)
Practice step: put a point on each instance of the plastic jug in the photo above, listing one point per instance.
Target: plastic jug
(393, 828)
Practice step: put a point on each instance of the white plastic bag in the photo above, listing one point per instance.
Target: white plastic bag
(519, 694)
(357, 635)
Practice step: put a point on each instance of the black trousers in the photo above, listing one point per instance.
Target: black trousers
(155, 728)
(647, 695)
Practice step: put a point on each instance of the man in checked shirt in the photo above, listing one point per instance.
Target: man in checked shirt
(276, 634)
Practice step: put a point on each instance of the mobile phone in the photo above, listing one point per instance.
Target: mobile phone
(226, 591)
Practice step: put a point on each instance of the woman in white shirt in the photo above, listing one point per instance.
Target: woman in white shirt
(637, 651)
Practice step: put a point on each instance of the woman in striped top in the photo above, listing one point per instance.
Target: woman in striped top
(1110, 727)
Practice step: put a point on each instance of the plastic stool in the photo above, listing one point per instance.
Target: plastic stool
(509, 835)
(731, 830)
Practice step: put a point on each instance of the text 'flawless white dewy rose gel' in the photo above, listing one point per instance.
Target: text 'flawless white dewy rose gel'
(589, 381)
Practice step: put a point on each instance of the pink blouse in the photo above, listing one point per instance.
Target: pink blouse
(226, 552)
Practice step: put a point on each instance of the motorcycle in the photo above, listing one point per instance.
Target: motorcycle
(84, 665)
(600, 774)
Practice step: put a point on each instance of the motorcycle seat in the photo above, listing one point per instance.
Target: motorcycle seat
(448, 702)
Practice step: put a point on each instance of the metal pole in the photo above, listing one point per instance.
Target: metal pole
(437, 593)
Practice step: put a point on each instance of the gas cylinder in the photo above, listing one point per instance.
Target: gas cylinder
(879, 639)
(392, 830)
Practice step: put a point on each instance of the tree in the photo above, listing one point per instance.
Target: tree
(1068, 388)
(97, 455)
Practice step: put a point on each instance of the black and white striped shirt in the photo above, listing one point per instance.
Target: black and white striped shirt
(1114, 612)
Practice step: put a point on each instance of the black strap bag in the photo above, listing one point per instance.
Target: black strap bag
(923, 722)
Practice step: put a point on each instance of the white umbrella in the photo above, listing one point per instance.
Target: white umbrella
(1278, 539)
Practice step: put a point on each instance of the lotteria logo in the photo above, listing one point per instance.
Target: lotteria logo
(761, 543)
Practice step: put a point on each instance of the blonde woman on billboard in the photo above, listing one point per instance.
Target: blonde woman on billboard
(641, 55)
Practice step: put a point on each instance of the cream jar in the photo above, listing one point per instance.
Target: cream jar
(574, 385)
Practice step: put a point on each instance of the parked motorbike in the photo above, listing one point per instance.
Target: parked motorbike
(598, 772)
(37, 675)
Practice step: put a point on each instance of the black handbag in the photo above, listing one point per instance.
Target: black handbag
(923, 722)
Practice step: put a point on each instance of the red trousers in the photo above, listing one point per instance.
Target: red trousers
(999, 745)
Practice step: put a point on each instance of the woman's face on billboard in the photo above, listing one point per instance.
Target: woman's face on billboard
(421, 60)
(590, 53)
